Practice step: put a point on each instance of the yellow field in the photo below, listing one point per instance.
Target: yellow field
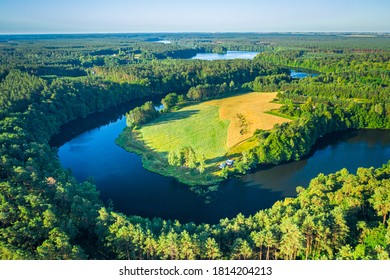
(246, 113)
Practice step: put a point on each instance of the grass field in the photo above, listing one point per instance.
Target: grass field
(197, 126)
(216, 129)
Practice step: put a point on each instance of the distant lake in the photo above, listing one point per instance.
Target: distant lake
(228, 55)
(164, 42)
(302, 73)
(87, 148)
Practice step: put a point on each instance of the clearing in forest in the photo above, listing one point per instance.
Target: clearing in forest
(212, 127)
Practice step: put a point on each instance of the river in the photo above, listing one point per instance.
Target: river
(87, 148)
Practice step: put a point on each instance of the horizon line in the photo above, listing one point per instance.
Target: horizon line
(197, 32)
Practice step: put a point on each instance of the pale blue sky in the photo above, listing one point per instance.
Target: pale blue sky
(100, 16)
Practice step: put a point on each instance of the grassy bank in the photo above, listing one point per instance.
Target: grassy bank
(157, 162)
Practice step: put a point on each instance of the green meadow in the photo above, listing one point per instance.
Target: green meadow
(197, 126)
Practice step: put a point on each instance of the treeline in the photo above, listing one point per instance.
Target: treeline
(181, 75)
(207, 91)
(270, 82)
(99, 51)
(70, 56)
(339, 216)
(141, 115)
(332, 43)
(171, 101)
(148, 112)
(186, 157)
(60, 71)
(18, 89)
(292, 141)
(365, 68)
(122, 49)
(45, 55)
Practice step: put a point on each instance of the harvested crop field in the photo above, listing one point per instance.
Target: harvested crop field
(246, 113)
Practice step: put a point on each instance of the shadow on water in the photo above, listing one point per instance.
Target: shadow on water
(80, 125)
(332, 140)
(346, 149)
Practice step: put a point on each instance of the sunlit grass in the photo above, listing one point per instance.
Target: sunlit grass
(197, 126)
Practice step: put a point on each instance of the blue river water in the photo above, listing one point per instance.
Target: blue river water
(87, 148)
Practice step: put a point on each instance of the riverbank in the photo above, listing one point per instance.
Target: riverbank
(157, 162)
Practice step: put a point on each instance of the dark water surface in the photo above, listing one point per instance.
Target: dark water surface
(87, 147)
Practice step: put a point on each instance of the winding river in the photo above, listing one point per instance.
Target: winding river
(86, 147)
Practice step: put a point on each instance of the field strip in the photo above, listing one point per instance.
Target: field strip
(246, 113)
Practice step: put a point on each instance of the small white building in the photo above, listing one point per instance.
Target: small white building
(229, 162)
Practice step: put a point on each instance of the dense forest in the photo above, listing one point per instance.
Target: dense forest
(47, 81)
